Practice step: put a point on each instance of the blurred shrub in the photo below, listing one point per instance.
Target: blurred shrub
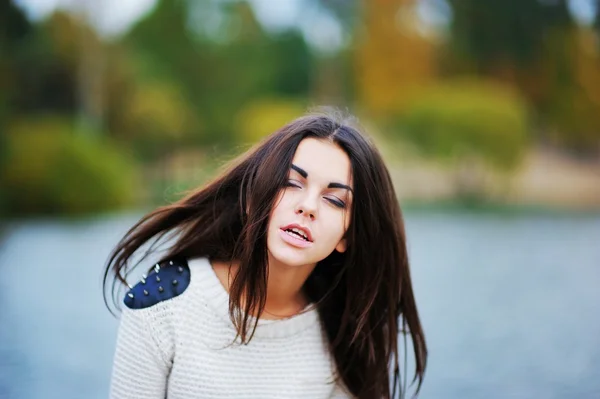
(51, 168)
(480, 128)
(468, 118)
(155, 117)
(263, 117)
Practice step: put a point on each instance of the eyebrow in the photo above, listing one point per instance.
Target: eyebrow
(304, 174)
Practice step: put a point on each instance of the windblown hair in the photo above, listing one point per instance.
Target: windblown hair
(364, 296)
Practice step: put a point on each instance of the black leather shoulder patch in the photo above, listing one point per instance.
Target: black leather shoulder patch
(167, 280)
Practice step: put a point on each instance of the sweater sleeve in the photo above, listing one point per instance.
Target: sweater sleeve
(143, 355)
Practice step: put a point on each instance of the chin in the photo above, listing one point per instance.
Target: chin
(285, 257)
(289, 256)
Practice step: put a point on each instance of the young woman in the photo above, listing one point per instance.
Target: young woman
(285, 277)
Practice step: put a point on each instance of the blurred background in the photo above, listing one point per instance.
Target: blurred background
(487, 113)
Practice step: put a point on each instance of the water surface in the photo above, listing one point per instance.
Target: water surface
(510, 305)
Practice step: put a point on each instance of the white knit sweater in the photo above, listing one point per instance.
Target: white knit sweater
(181, 348)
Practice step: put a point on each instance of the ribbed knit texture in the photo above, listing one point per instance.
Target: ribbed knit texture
(182, 348)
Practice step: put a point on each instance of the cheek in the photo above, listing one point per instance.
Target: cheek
(280, 203)
(345, 223)
(336, 224)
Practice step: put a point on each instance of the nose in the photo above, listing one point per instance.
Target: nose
(307, 206)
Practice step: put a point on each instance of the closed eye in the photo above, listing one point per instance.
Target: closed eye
(336, 202)
(333, 200)
(290, 183)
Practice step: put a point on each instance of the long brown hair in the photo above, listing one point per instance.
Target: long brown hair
(364, 296)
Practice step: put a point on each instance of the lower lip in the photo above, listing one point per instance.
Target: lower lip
(296, 242)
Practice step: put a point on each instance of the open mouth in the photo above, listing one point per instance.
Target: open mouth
(297, 233)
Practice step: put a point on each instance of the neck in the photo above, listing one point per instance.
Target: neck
(284, 288)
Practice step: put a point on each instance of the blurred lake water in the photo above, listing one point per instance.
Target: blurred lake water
(510, 305)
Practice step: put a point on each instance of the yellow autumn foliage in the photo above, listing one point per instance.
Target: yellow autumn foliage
(393, 57)
(263, 117)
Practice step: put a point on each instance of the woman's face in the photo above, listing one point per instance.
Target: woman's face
(316, 203)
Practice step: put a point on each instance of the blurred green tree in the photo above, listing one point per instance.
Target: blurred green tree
(597, 19)
(222, 58)
(15, 30)
(499, 31)
(537, 47)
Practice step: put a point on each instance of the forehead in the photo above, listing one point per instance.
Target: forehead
(323, 160)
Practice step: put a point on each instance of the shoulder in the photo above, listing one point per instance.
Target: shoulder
(165, 281)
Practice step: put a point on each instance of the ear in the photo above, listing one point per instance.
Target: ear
(342, 246)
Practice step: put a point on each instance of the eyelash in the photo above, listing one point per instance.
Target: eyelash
(336, 203)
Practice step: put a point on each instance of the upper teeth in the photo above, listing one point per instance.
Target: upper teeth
(297, 230)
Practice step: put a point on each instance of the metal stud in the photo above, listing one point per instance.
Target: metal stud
(157, 268)
(157, 279)
(130, 295)
(160, 288)
(180, 269)
(175, 282)
(143, 280)
(146, 292)
(171, 262)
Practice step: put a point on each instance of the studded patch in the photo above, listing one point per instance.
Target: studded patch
(167, 280)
